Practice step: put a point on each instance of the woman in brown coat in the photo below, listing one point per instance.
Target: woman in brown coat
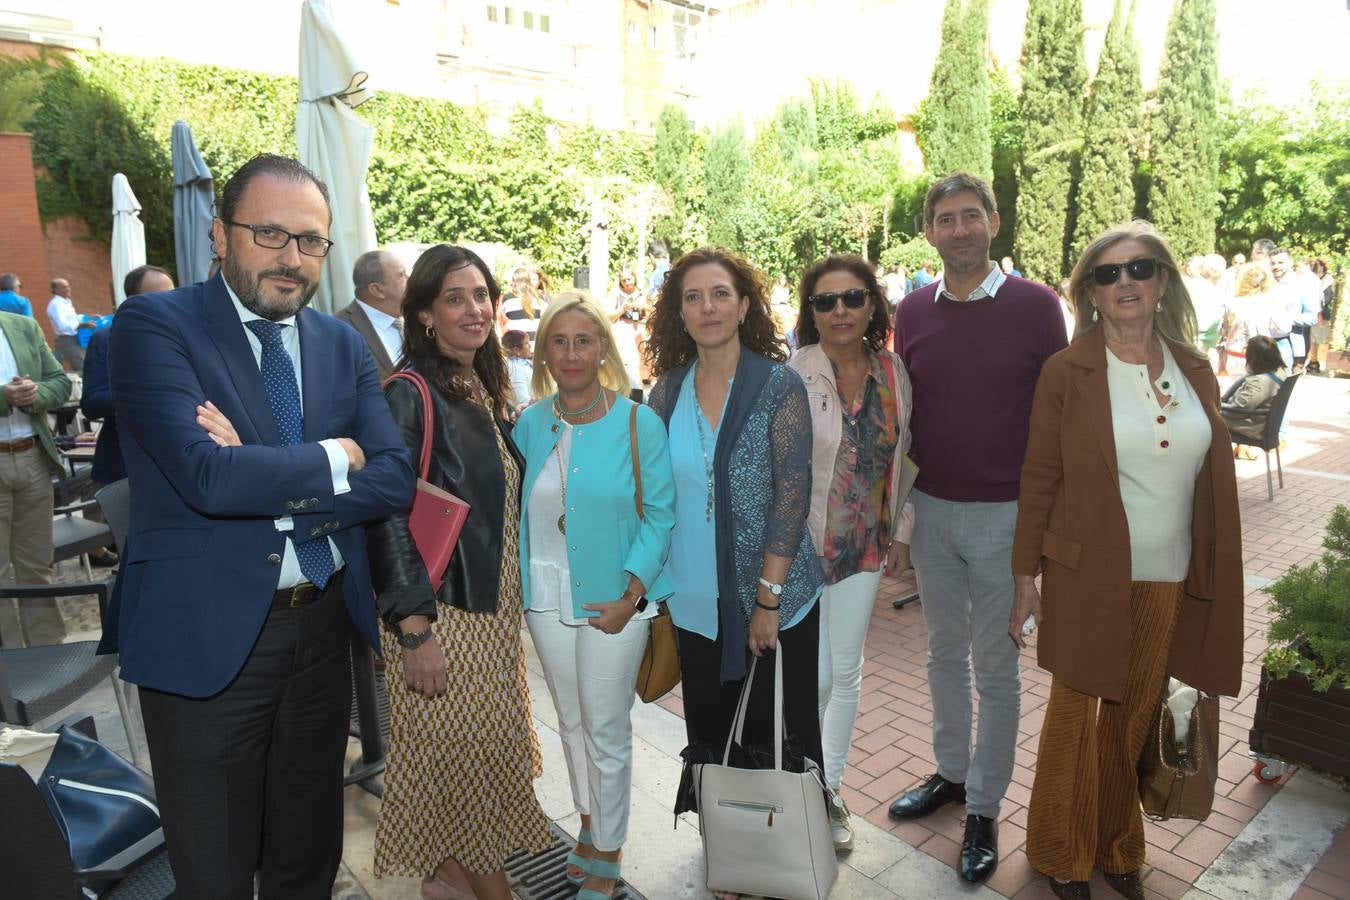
(1128, 510)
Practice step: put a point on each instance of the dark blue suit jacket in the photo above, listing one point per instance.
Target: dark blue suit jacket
(96, 402)
(203, 553)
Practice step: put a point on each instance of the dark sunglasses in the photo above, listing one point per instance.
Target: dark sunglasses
(1139, 269)
(854, 298)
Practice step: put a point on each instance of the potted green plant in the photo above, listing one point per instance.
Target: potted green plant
(1303, 702)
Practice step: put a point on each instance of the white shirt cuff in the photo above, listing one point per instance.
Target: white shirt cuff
(338, 465)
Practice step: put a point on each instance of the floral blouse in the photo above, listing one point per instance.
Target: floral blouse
(857, 516)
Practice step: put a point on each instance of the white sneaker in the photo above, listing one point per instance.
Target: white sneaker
(840, 829)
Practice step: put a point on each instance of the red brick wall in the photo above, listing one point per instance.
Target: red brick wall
(22, 248)
(83, 261)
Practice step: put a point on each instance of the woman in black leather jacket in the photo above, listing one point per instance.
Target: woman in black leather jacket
(462, 751)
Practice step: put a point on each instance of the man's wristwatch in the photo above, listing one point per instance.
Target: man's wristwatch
(774, 587)
(639, 603)
(414, 640)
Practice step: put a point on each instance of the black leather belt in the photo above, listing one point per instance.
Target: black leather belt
(303, 594)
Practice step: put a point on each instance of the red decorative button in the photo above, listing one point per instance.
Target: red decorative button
(1163, 445)
(1162, 419)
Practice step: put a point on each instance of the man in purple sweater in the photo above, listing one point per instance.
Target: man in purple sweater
(973, 342)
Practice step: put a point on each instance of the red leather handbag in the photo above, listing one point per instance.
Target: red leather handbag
(437, 516)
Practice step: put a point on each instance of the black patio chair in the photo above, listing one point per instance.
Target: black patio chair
(1270, 435)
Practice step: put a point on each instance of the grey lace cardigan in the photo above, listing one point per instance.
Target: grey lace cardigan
(762, 494)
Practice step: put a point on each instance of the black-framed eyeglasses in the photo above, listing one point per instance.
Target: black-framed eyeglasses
(274, 238)
(1139, 269)
(854, 298)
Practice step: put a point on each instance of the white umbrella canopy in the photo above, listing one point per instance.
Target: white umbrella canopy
(193, 200)
(128, 236)
(334, 142)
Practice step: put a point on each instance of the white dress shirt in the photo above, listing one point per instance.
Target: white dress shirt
(338, 463)
(17, 425)
(987, 288)
(390, 334)
(61, 311)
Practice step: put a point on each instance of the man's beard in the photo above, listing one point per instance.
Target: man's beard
(248, 288)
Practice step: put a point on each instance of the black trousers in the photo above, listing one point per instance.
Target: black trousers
(252, 776)
(710, 704)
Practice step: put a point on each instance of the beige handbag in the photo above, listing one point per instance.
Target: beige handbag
(765, 831)
(1180, 763)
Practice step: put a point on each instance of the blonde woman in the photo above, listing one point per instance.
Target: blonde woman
(591, 564)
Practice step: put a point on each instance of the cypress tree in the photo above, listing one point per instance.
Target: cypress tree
(1054, 76)
(1184, 194)
(958, 95)
(1112, 126)
(670, 163)
(726, 173)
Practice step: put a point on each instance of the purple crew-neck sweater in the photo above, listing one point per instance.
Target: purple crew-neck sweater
(974, 367)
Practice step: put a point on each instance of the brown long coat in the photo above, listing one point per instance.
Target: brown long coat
(1071, 527)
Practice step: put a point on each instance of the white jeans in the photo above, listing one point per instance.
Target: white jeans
(845, 610)
(591, 677)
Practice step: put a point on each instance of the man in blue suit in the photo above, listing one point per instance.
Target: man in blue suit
(257, 442)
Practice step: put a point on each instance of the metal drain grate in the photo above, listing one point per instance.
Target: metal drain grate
(541, 876)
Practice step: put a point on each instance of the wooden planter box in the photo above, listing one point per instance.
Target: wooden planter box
(1297, 724)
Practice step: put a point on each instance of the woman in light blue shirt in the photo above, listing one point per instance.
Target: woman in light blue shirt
(591, 564)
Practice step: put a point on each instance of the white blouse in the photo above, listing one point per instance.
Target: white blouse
(1159, 452)
(550, 582)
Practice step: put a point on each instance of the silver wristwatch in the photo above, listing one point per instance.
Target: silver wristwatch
(774, 587)
(414, 640)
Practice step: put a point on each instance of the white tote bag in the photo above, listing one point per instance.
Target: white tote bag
(765, 831)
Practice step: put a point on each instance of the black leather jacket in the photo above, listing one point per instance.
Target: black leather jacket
(465, 462)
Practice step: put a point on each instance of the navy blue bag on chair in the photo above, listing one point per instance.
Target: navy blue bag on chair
(104, 806)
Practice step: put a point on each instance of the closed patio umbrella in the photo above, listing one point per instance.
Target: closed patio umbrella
(128, 235)
(335, 143)
(193, 199)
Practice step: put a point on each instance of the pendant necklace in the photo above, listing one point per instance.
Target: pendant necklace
(557, 448)
(703, 446)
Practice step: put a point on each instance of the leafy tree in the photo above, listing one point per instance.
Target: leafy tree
(1284, 172)
(726, 172)
(1006, 132)
(1183, 196)
(1112, 124)
(1053, 79)
(956, 111)
(20, 90)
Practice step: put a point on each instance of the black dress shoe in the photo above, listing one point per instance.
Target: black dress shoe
(1071, 890)
(1127, 885)
(979, 848)
(927, 797)
(105, 558)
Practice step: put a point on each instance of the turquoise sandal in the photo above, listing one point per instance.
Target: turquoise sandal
(576, 859)
(601, 868)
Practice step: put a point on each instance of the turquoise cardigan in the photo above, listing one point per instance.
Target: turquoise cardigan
(610, 541)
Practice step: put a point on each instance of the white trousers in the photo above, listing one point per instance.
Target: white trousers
(591, 676)
(845, 610)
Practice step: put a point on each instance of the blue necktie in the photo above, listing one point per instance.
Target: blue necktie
(278, 373)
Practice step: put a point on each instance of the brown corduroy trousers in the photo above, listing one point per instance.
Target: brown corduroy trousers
(1085, 811)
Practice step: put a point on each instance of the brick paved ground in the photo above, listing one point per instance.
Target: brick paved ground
(892, 738)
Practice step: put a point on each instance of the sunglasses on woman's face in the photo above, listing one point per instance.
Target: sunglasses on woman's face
(1139, 269)
(854, 298)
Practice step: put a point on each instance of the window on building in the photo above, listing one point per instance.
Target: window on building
(527, 19)
(651, 37)
(543, 24)
(685, 29)
(632, 30)
(492, 13)
(510, 16)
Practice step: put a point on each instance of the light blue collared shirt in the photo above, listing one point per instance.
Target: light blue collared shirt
(338, 463)
(987, 288)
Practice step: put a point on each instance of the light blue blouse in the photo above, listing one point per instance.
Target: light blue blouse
(691, 569)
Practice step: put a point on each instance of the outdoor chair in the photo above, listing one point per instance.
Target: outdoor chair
(76, 536)
(115, 501)
(1270, 435)
(35, 860)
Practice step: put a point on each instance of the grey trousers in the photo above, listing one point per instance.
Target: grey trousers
(962, 555)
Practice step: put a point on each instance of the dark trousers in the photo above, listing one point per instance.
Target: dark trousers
(251, 778)
(710, 704)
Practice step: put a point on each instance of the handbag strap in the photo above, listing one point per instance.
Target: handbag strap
(633, 451)
(738, 723)
(420, 383)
